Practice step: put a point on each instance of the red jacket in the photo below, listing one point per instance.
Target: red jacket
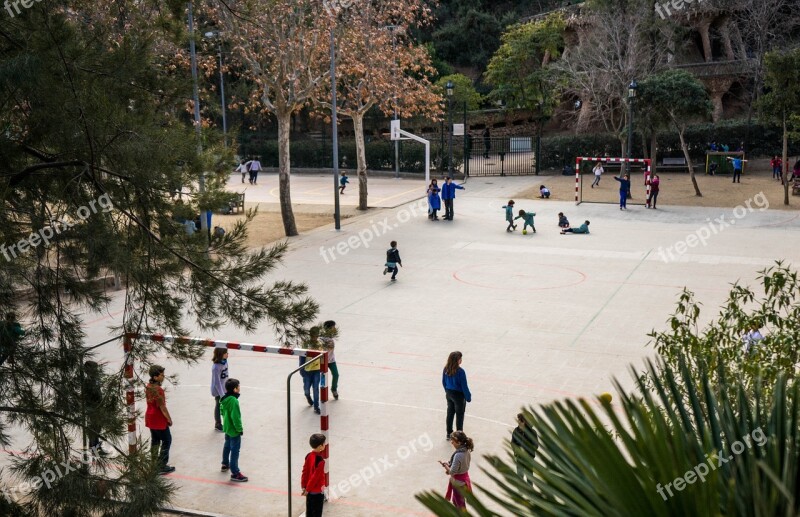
(313, 479)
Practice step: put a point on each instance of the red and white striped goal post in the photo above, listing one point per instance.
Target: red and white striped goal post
(646, 161)
(130, 399)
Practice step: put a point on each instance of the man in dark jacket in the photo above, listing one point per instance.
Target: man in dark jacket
(448, 195)
(524, 441)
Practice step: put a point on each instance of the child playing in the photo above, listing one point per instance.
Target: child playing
(312, 371)
(219, 372)
(343, 181)
(232, 424)
(312, 481)
(624, 188)
(544, 192)
(329, 332)
(528, 218)
(524, 440)
(562, 221)
(392, 260)
(158, 420)
(584, 228)
(510, 216)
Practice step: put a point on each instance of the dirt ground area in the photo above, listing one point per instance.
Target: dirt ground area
(267, 227)
(676, 189)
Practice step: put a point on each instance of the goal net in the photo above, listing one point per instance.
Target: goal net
(607, 191)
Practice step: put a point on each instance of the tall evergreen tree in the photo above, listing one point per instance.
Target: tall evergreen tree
(95, 138)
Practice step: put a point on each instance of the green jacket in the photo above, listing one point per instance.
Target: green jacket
(231, 415)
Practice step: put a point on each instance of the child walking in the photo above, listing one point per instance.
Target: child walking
(524, 441)
(458, 469)
(219, 372)
(392, 260)
(528, 218)
(312, 371)
(312, 481)
(329, 332)
(510, 216)
(158, 420)
(343, 181)
(232, 424)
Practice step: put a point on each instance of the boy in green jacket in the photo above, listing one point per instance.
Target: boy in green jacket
(232, 426)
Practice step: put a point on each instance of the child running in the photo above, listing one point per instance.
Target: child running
(232, 424)
(510, 216)
(219, 372)
(563, 222)
(528, 218)
(343, 181)
(392, 260)
(312, 481)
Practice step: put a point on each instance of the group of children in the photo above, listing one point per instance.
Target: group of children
(563, 222)
(228, 417)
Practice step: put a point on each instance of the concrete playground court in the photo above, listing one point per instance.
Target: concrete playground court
(538, 317)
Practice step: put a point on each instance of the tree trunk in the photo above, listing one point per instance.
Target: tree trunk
(785, 167)
(361, 160)
(689, 162)
(284, 172)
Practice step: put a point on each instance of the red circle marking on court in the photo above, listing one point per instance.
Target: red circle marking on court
(458, 275)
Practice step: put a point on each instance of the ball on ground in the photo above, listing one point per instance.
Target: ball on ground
(524, 232)
(606, 397)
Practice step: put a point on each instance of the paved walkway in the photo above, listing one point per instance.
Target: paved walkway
(538, 318)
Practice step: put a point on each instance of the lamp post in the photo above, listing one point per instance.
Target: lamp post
(450, 87)
(393, 28)
(332, 6)
(210, 35)
(631, 101)
(197, 128)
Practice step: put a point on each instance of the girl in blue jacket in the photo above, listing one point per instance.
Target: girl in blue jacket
(454, 381)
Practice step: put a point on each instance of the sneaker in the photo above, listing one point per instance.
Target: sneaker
(241, 478)
(394, 280)
(309, 400)
(385, 270)
(335, 394)
(166, 469)
(316, 410)
(224, 468)
(218, 427)
(447, 437)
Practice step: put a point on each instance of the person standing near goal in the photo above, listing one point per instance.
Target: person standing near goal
(598, 171)
(624, 188)
(654, 183)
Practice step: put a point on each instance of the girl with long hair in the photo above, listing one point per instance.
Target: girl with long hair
(458, 469)
(454, 381)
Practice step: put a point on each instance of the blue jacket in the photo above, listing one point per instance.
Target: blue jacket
(624, 185)
(457, 382)
(449, 191)
(509, 213)
(433, 199)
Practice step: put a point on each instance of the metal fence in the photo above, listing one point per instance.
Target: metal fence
(509, 156)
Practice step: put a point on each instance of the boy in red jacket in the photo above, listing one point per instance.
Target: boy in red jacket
(313, 480)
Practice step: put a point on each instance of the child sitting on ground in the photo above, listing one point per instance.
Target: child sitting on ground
(528, 218)
(544, 192)
(584, 228)
(562, 221)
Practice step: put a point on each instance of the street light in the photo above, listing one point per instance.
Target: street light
(449, 87)
(196, 97)
(393, 28)
(211, 35)
(332, 7)
(631, 100)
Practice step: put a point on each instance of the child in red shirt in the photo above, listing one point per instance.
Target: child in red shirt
(158, 420)
(313, 480)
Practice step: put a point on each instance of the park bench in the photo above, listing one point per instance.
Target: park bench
(237, 204)
(673, 164)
